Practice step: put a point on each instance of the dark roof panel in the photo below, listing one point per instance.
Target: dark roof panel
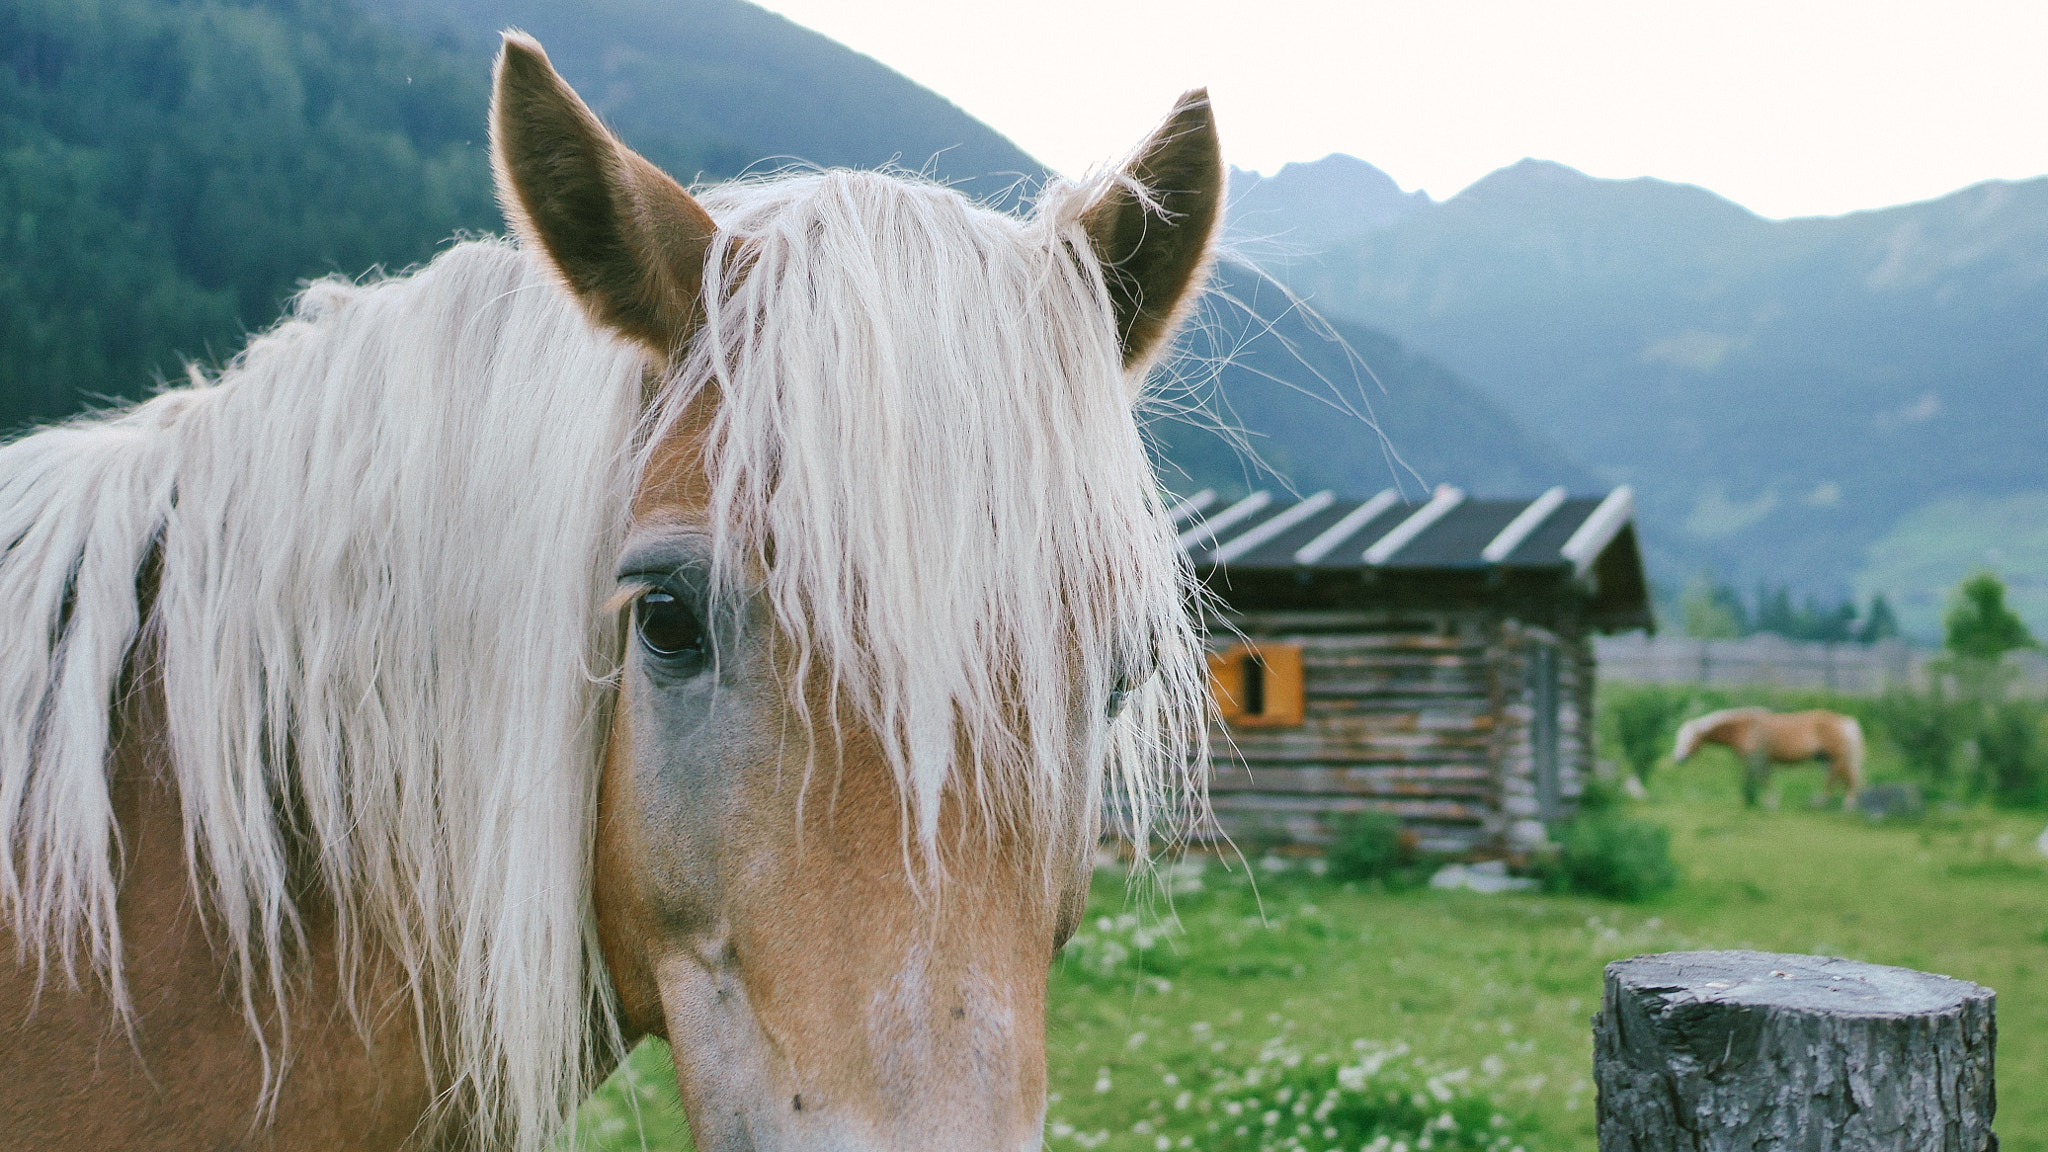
(1344, 553)
(1542, 548)
(1279, 550)
(1456, 540)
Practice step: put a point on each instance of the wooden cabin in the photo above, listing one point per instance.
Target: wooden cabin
(1430, 658)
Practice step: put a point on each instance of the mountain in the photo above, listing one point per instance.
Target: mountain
(1307, 208)
(1918, 562)
(170, 170)
(711, 88)
(173, 168)
(1783, 394)
(1292, 401)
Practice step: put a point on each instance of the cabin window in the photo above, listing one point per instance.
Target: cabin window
(1251, 682)
(1259, 685)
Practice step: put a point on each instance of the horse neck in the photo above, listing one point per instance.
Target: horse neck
(1732, 730)
(1712, 728)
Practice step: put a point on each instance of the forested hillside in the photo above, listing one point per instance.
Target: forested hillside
(170, 170)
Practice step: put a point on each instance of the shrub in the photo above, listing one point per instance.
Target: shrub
(1369, 846)
(1260, 841)
(1929, 729)
(2009, 754)
(1642, 724)
(1599, 795)
(1604, 854)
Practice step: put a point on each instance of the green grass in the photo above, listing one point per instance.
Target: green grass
(1479, 1006)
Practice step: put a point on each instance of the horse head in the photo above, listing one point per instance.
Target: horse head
(1728, 726)
(894, 567)
(1689, 736)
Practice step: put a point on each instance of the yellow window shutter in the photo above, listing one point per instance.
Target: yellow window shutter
(1259, 685)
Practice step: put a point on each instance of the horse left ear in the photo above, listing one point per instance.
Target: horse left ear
(629, 242)
(1155, 254)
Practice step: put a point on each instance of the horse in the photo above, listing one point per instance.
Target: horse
(720, 615)
(1763, 737)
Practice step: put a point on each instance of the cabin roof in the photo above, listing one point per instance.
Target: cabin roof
(1268, 552)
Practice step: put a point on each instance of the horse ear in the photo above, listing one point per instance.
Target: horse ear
(628, 241)
(1154, 254)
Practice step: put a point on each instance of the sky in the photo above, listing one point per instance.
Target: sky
(1788, 107)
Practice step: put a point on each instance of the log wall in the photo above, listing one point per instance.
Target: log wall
(1429, 716)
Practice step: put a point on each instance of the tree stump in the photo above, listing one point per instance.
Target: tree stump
(1718, 1051)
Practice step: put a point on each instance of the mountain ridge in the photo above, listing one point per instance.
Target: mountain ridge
(1782, 393)
(712, 88)
(1309, 206)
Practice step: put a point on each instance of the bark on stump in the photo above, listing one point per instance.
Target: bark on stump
(1718, 1051)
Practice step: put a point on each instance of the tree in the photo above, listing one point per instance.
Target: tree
(1774, 611)
(1812, 620)
(1817, 623)
(1981, 630)
(1980, 626)
(1712, 612)
(1880, 623)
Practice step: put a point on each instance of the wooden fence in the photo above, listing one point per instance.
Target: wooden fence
(1774, 660)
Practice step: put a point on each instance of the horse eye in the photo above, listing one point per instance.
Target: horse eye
(1118, 697)
(668, 628)
(1128, 676)
(1122, 689)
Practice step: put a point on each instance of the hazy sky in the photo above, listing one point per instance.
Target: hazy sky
(1791, 107)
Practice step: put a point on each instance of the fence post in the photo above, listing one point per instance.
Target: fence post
(1719, 1051)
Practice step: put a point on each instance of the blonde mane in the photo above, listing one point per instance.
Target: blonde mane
(923, 408)
(385, 534)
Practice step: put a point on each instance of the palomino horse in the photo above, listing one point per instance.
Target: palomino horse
(1763, 737)
(715, 617)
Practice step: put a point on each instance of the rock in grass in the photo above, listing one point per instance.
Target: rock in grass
(1891, 801)
(1488, 876)
(1719, 1051)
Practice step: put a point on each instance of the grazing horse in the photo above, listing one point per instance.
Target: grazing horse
(1763, 737)
(711, 616)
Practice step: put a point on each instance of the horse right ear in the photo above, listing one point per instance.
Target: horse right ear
(1155, 249)
(627, 239)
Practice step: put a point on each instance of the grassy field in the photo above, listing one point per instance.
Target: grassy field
(1452, 1020)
